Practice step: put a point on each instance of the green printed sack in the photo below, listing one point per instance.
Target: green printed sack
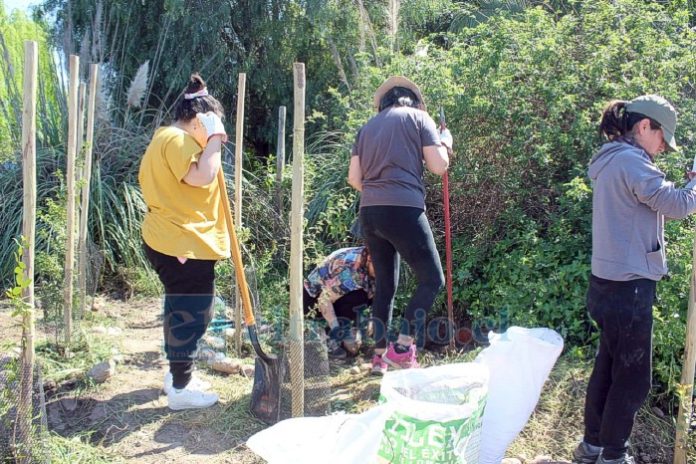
(436, 414)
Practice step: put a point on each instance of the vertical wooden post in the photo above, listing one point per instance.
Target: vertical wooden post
(70, 183)
(86, 180)
(296, 251)
(280, 161)
(81, 94)
(79, 164)
(25, 408)
(238, 164)
(687, 377)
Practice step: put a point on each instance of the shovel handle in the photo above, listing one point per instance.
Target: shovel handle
(236, 252)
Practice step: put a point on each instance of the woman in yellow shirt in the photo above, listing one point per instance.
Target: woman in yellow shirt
(184, 232)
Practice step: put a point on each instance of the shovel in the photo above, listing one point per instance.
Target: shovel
(269, 369)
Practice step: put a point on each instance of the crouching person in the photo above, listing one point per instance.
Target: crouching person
(339, 289)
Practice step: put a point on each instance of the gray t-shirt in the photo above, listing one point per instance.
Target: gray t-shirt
(390, 147)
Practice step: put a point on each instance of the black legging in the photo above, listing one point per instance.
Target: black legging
(391, 231)
(189, 290)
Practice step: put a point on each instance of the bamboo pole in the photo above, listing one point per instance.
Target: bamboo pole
(687, 377)
(81, 94)
(70, 182)
(86, 180)
(25, 408)
(238, 162)
(79, 163)
(280, 161)
(296, 223)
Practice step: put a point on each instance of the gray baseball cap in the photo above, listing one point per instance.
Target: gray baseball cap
(659, 110)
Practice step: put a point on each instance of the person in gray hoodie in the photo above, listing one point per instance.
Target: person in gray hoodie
(630, 201)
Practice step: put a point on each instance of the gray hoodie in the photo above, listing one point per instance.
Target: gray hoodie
(630, 200)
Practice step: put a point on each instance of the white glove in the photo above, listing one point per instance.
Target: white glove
(446, 138)
(213, 125)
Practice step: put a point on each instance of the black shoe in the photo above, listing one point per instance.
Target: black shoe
(625, 459)
(586, 453)
(335, 349)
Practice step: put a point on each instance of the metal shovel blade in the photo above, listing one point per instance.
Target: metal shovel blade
(269, 372)
(265, 395)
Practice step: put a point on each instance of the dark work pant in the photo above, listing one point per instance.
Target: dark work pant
(347, 308)
(621, 377)
(391, 232)
(189, 290)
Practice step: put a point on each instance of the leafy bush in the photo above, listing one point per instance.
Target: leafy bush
(523, 94)
(533, 277)
(534, 86)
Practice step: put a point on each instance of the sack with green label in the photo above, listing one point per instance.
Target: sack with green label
(436, 414)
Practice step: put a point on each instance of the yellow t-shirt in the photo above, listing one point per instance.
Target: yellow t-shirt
(181, 220)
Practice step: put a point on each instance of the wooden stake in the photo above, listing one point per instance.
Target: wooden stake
(687, 378)
(81, 94)
(86, 180)
(31, 57)
(280, 161)
(238, 165)
(70, 182)
(296, 251)
(79, 176)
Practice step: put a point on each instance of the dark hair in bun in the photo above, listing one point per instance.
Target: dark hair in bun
(187, 109)
(617, 122)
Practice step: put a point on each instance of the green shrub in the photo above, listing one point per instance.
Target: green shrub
(533, 277)
(523, 94)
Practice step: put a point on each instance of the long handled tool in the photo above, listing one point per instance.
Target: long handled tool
(448, 243)
(269, 369)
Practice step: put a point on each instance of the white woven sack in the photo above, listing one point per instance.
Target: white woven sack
(436, 414)
(519, 362)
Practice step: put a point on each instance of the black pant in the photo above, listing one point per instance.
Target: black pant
(621, 377)
(391, 231)
(189, 290)
(347, 308)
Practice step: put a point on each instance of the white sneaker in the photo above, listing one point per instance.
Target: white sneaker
(188, 398)
(195, 383)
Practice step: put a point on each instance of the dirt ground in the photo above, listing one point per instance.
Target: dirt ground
(128, 416)
(128, 420)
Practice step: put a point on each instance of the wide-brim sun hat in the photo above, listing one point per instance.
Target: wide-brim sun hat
(659, 110)
(397, 81)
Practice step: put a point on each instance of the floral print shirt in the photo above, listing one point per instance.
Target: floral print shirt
(339, 274)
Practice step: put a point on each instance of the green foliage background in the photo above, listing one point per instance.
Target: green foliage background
(14, 30)
(522, 85)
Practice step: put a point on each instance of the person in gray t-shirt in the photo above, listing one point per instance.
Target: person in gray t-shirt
(387, 168)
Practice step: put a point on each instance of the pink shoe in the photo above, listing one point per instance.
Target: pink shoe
(379, 367)
(405, 360)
